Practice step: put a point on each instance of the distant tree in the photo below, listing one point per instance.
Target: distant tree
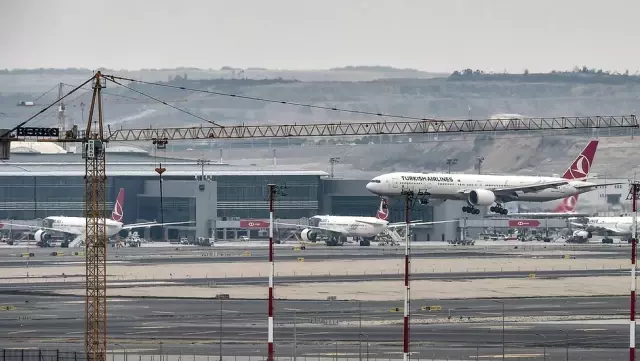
(526, 72)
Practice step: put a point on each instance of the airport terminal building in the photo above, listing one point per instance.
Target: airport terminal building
(226, 201)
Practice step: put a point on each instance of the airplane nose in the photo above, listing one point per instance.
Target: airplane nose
(371, 187)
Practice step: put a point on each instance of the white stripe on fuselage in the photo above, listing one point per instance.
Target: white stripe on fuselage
(77, 225)
(448, 186)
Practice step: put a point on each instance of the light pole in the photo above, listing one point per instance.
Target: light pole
(450, 162)
(332, 162)
(544, 346)
(202, 162)
(367, 349)
(295, 331)
(220, 328)
(502, 303)
(480, 161)
(566, 344)
(124, 349)
(359, 330)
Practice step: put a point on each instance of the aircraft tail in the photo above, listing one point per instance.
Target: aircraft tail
(567, 205)
(117, 213)
(383, 210)
(580, 167)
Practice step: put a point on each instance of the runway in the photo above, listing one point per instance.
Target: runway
(13, 256)
(56, 282)
(195, 327)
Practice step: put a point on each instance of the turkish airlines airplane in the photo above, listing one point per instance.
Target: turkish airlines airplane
(77, 225)
(614, 226)
(566, 209)
(350, 226)
(491, 190)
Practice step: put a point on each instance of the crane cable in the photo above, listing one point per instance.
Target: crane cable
(46, 108)
(265, 100)
(162, 102)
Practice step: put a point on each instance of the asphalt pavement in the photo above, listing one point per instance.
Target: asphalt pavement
(453, 329)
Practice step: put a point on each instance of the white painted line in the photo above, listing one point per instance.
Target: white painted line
(25, 331)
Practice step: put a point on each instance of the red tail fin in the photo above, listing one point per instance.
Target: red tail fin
(567, 205)
(383, 211)
(117, 213)
(582, 164)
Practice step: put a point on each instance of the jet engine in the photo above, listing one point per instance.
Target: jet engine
(481, 197)
(41, 236)
(583, 234)
(308, 235)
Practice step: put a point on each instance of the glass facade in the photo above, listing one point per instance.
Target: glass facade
(27, 198)
(40, 197)
(248, 196)
(368, 205)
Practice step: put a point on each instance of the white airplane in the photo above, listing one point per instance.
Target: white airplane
(350, 226)
(485, 190)
(566, 209)
(614, 226)
(77, 225)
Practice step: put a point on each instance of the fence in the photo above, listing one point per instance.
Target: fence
(451, 354)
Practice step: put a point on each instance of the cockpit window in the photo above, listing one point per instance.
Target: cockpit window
(375, 181)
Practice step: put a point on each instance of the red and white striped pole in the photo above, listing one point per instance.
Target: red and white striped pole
(407, 262)
(632, 322)
(272, 192)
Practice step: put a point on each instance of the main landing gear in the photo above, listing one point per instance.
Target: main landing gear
(470, 209)
(498, 209)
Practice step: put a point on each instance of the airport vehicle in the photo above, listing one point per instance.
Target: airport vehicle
(490, 190)
(338, 228)
(76, 226)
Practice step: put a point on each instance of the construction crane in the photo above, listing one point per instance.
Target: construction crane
(94, 139)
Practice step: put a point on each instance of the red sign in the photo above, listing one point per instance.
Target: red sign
(524, 223)
(253, 223)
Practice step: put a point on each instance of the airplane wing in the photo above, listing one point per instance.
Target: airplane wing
(151, 224)
(578, 186)
(529, 188)
(526, 188)
(35, 227)
(397, 225)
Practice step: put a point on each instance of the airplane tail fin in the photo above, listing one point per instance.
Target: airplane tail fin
(117, 213)
(567, 205)
(580, 167)
(383, 210)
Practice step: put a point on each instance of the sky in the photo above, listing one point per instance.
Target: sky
(430, 35)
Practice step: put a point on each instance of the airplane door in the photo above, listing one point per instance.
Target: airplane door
(394, 182)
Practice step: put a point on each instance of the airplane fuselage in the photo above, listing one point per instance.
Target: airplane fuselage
(449, 186)
(352, 226)
(618, 226)
(78, 225)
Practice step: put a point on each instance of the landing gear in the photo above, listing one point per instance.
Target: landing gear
(498, 209)
(469, 209)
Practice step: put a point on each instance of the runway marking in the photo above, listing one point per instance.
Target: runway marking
(313, 333)
(591, 303)
(75, 333)
(151, 327)
(250, 333)
(165, 312)
(198, 333)
(25, 331)
(140, 332)
(512, 355)
(591, 329)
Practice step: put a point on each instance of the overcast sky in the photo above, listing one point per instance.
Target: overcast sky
(431, 35)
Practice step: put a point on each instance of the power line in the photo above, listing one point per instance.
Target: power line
(264, 100)
(115, 95)
(163, 102)
(45, 93)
